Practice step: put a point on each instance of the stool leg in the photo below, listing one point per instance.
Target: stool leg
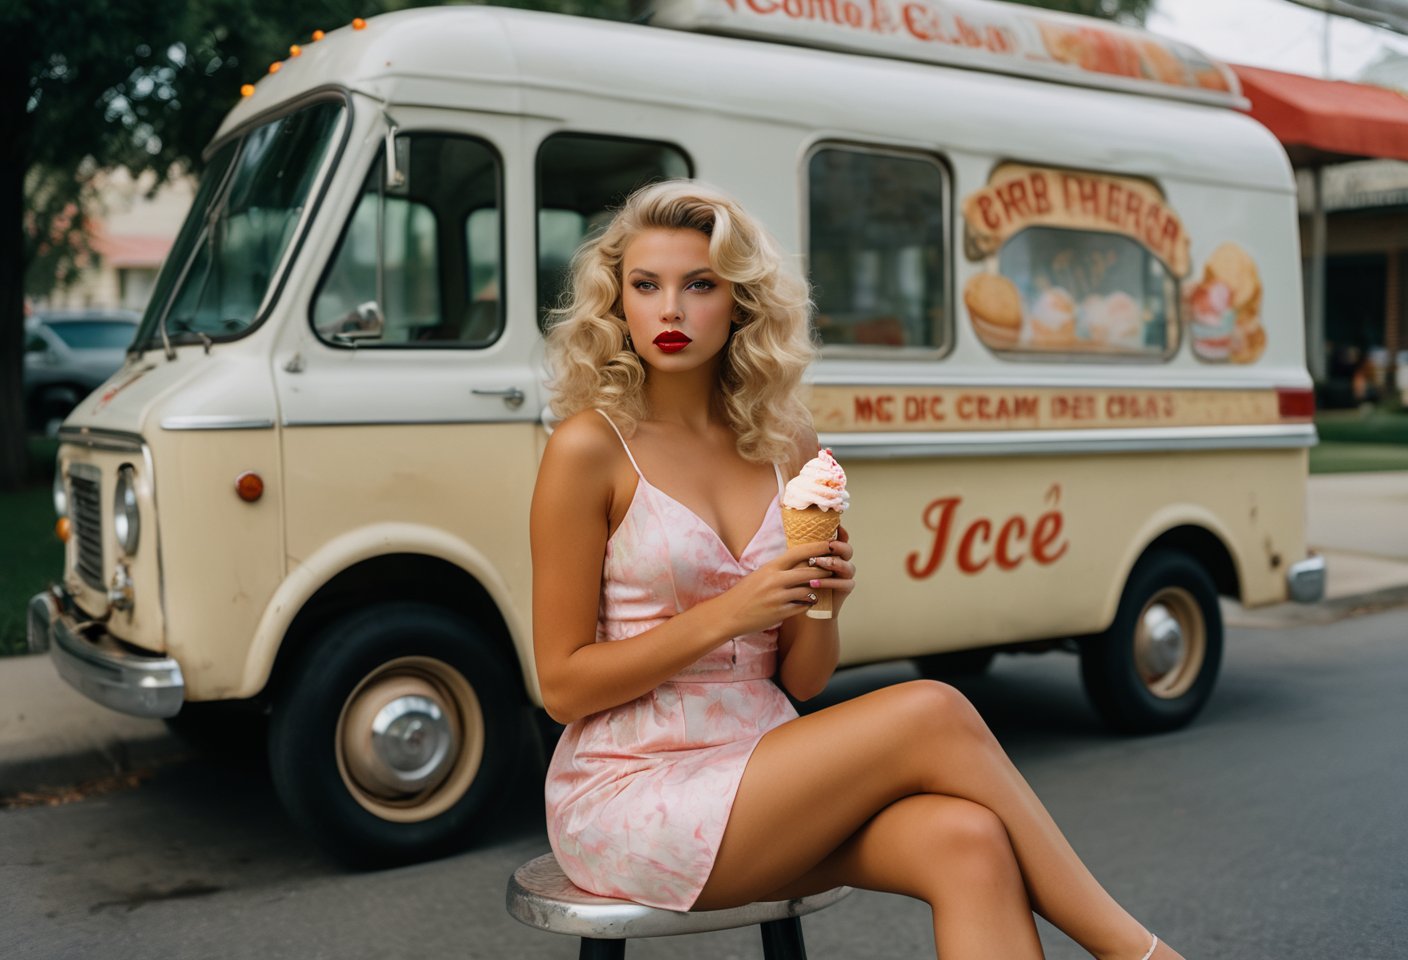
(602, 949)
(782, 939)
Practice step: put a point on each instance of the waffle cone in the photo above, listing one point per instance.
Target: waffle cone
(808, 526)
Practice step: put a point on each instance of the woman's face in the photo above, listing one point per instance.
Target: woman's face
(677, 308)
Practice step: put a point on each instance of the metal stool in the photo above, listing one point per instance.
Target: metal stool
(541, 896)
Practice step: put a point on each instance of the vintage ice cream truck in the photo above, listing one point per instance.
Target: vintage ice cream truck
(1057, 288)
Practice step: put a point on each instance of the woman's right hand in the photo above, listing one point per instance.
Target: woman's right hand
(775, 591)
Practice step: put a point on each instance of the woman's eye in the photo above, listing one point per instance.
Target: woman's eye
(702, 285)
(644, 285)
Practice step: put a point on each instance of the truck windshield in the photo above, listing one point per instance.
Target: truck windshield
(226, 257)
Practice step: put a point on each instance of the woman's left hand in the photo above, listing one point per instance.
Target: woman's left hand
(835, 571)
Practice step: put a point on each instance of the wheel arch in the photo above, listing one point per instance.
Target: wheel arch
(1199, 535)
(372, 566)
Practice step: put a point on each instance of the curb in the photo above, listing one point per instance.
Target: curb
(1323, 613)
(50, 772)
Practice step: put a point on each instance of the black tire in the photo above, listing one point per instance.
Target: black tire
(956, 663)
(1156, 665)
(326, 769)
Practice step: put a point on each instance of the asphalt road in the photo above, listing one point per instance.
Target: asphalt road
(1273, 828)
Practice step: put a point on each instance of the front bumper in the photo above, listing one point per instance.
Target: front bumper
(1306, 580)
(99, 667)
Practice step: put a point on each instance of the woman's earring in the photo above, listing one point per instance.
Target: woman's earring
(629, 346)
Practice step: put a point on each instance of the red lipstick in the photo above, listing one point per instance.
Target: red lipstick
(672, 341)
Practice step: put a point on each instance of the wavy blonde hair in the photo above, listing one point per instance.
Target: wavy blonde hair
(768, 349)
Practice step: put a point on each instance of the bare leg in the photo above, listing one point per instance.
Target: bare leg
(836, 769)
(979, 902)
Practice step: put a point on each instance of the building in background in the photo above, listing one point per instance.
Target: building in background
(1349, 145)
(134, 233)
(1366, 262)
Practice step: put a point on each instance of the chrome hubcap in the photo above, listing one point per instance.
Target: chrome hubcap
(1165, 638)
(1170, 643)
(410, 739)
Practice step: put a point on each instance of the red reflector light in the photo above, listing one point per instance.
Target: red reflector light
(1296, 403)
(249, 486)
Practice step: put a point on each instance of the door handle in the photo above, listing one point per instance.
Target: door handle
(513, 396)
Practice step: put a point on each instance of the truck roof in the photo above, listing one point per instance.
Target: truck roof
(501, 61)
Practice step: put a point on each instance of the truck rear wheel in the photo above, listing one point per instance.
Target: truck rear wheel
(1156, 665)
(395, 734)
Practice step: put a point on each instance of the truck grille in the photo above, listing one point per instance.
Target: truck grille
(86, 514)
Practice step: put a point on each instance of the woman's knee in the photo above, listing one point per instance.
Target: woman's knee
(969, 845)
(941, 708)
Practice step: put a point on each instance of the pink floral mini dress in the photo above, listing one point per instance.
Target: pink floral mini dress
(638, 795)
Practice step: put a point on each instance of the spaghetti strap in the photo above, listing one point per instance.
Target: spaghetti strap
(780, 487)
(623, 442)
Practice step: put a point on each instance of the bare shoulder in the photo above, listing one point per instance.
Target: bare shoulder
(577, 476)
(583, 441)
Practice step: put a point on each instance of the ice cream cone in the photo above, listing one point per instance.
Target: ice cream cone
(808, 526)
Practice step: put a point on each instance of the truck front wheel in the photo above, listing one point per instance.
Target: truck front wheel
(1156, 665)
(394, 734)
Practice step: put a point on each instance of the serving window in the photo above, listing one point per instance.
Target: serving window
(876, 251)
(582, 180)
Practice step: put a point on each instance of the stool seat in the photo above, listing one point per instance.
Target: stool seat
(541, 896)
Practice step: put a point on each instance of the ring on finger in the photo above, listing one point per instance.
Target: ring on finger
(811, 598)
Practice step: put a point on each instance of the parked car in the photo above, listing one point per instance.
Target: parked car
(68, 355)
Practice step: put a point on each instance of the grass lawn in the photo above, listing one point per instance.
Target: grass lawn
(31, 559)
(31, 556)
(1351, 442)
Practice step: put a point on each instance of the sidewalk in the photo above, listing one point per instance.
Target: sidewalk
(52, 736)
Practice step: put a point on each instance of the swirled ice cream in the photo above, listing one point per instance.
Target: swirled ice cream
(812, 504)
(821, 484)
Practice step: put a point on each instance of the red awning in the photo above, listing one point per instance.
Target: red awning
(1327, 121)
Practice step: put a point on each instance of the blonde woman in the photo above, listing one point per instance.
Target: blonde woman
(665, 604)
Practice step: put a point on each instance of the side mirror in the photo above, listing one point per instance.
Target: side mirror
(365, 322)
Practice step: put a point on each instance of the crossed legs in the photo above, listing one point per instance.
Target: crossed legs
(905, 790)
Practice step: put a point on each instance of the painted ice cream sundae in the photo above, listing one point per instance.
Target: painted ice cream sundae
(1052, 320)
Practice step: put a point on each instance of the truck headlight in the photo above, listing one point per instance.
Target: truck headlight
(60, 494)
(126, 522)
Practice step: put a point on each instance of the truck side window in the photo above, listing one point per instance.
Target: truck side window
(419, 264)
(875, 248)
(582, 178)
